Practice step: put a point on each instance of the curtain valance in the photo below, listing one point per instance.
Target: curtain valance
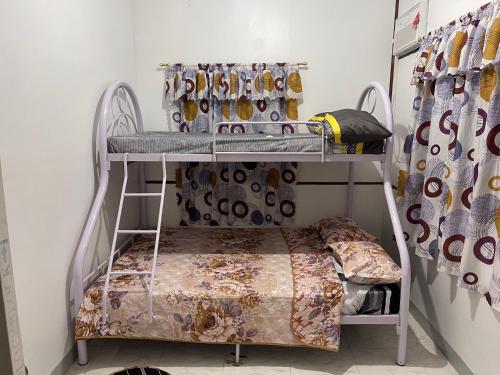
(256, 81)
(469, 43)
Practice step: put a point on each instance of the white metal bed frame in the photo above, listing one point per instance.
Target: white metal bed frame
(120, 113)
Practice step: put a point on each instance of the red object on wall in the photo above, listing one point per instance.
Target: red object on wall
(416, 21)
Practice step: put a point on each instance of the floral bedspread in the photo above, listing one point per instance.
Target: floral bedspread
(223, 285)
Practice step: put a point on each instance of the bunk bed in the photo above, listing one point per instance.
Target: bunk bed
(160, 275)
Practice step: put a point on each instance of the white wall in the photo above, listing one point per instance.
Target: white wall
(441, 12)
(57, 57)
(405, 5)
(461, 317)
(346, 43)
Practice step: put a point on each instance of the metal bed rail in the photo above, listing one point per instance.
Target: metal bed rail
(247, 156)
(250, 156)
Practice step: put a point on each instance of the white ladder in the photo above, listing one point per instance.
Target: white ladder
(156, 231)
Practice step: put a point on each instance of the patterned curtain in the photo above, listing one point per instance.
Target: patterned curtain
(234, 193)
(449, 186)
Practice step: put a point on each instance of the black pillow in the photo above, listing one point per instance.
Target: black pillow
(350, 126)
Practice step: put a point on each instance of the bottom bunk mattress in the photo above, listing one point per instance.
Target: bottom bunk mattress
(226, 285)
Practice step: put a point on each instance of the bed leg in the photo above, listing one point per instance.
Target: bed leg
(81, 346)
(237, 355)
(402, 330)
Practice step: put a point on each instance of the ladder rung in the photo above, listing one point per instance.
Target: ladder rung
(117, 231)
(130, 273)
(142, 194)
(137, 231)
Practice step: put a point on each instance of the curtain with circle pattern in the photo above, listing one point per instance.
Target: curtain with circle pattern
(199, 97)
(449, 185)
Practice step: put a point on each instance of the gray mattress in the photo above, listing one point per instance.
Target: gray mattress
(202, 143)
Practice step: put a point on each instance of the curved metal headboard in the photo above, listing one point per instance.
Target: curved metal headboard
(389, 122)
(120, 114)
(377, 86)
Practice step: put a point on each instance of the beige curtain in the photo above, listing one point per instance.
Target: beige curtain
(234, 193)
(449, 193)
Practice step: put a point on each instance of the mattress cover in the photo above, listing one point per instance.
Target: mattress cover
(223, 285)
(202, 143)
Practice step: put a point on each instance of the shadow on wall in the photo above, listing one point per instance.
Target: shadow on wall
(103, 223)
(101, 237)
(430, 276)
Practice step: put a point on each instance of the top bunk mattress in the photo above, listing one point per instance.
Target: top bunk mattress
(202, 143)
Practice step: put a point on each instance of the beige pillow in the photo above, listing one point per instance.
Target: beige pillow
(366, 262)
(341, 229)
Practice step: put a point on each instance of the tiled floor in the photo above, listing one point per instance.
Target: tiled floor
(365, 350)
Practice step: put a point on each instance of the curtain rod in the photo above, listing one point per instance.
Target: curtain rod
(165, 65)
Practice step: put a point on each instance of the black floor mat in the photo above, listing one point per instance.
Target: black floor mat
(141, 371)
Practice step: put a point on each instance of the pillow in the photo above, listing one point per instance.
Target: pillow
(366, 262)
(341, 229)
(349, 126)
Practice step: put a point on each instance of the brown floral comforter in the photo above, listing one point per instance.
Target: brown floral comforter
(261, 286)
